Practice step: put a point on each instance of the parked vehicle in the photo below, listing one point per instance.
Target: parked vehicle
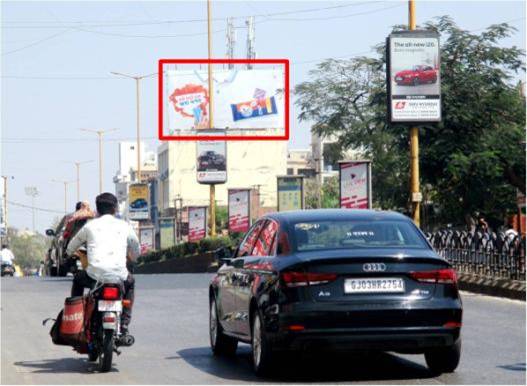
(7, 270)
(335, 279)
(416, 76)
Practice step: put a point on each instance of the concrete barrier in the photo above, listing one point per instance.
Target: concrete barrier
(190, 264)
(507, 288)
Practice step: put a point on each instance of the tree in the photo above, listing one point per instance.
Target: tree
(473, 160)
(29, 249)
(329, 192)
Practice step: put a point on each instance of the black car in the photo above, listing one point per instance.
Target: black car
(336, 279)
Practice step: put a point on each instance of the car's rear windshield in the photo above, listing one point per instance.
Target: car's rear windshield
(354, 234)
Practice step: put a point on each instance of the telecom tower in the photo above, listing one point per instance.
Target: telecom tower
(251, 54)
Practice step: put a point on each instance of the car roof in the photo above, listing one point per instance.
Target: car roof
(336, 215)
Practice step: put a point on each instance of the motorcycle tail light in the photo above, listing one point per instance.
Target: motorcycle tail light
(110, 293)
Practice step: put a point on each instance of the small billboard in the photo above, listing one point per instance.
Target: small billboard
(413, 77)
(167, 232)
(239, 210)
(197, 223)
(146, 239)
(355, 184)
(138, 205)
(290, 191)
(211, 162)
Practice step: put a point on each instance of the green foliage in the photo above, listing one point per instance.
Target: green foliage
(329, 193)
(221, 217)
(472, 161)
(29, 249)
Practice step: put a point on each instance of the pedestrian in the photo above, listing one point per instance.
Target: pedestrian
(482, 225)
(6, 256)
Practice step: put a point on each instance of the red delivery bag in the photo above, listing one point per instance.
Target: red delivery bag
(71, 327)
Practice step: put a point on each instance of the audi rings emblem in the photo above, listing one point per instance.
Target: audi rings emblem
(374, 267)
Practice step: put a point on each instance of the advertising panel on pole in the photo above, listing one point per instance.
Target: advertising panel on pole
(167, 234)
(239, 204)
(355, 184)
(211, 162)
(138, 207)
(243, 99)
(413, 77)
(197, 223)
(290, 191)
(146, 239)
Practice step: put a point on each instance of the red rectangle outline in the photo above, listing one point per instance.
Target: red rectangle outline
(162, 137)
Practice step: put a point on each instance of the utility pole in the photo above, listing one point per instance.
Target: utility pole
(137, 79)
(5, 178)
(65, 193)
(32, 191)
(212, 191)
(414, 142)
(77, 169)
(231, 41)
(100, 134)
(251, 54)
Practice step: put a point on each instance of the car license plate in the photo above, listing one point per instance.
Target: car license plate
(379, 285)
(398, 78)
(110, 305)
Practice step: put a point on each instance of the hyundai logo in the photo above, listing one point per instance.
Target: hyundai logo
(374, 267)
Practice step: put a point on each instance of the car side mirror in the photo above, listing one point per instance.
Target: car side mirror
(50, 232)
(223, 255)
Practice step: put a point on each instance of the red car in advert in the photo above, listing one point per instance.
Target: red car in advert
(417, 75)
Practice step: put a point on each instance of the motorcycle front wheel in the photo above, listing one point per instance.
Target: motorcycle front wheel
(106, 352)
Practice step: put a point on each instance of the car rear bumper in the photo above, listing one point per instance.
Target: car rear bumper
(410, 340)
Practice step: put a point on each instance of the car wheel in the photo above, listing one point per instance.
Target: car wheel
(416, 82)
(220, 343)
(261, 347)
(444, 359)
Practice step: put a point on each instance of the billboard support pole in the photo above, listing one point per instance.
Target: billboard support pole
(211, 125)
(414, 142)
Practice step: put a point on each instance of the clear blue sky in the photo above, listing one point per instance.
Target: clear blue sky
(80, 41)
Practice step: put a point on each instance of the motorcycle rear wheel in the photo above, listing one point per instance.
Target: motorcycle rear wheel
(106, 352)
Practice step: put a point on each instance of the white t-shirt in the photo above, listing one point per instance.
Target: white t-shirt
(6, 256)
(108, 240)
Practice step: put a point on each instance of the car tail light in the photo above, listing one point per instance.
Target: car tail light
(301, 279)
(452, 325)
(440, 276)
(110, 293)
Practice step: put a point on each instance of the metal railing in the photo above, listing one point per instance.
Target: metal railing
(494, 255)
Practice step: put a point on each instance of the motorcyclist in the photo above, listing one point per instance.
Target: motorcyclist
(6, 256)
(110, 243)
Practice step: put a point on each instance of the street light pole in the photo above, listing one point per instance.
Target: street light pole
(77, 169)
(138, 116)
(65, 193)
(32, 191)
(414, 142)
(5, 178)
(212, 189)
(100, 134)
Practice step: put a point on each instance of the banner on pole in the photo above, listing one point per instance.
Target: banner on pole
(355, 184)
(167, 234)
(239, 210)
(138, 207)
(211, 162)
(146, 239)
(290, 191)
(197, 223)
(413, 77)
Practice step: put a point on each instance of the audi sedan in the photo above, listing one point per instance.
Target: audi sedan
(337, 280)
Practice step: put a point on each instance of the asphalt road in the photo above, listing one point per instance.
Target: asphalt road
(170, 325)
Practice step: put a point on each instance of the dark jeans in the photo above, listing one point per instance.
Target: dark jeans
(81, 280)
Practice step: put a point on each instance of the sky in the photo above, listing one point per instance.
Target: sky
(57, 58)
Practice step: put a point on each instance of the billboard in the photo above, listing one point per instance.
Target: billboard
(211, 162)
(414, 77)
(197, 223)
(243, 99)
(290, 193)
(167, 234)
(138, 206)
(239, 210)
(355, 184)
(146, 239)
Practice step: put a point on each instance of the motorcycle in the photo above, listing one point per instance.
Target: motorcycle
(7, 270)
(104, 308)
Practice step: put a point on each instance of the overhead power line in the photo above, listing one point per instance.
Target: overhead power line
(34, 207)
